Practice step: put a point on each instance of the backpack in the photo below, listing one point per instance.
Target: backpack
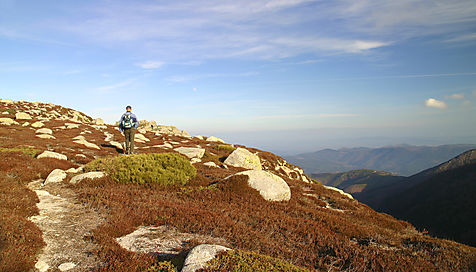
(127, 122)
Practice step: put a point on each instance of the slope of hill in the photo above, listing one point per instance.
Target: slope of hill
(357, 181)
(441, 199)
(403, 160)
(186, 192)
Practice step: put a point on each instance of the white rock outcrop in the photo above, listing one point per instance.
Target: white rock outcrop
(200, 255)
(44, 131)
(210, 164)
(270, 186)
(86, 143)
(22, 116)
(191, 152)
(45, 136)
(340, 191)
(54, 155)
(57, 175)
(243, 158)
(215, 139)
(89, 175)
(37, 124)
(8, 121)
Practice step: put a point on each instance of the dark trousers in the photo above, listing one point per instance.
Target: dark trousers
(129, 134)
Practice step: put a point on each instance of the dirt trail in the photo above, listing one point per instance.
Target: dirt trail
(65, 223)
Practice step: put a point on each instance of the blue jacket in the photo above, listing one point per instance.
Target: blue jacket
(134, 119)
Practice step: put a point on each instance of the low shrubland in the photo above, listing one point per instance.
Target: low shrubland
(244, 261)
(21, 239)
(26, 150)
(159, 168)
(225, 147)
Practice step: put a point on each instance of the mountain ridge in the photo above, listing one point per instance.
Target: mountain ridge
(404, 160)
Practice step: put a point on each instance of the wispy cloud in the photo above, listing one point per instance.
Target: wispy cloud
(184, 78)
(115, 86)
(470, 37)
(457, 96)
(151, 64)
(433, 103)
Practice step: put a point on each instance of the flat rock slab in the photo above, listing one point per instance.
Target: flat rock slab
(191, 152)
(161, 241)
(56, 175)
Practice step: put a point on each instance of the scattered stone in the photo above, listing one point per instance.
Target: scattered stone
(42, 266)
(243, 158)
(66, 266)
(5, 113)
(57, 175)
(215, 139)
(210, 164)
(98, 121)
(270, 186)
(37, 124)
(45, 136)
(80, 137)
(109, 136)
(87, 144)
(200, 255)
(165, 145)
(44, 131)
(163, 241)
(75, 170)
(186, 134)
(340, 191)
(89, 175)
(99, 127)
(140, 137)
(200, 137)
(26, 124)
(195, 160)
(54, 155)
(8, 121)
(191, 152)
(81, 155)
(71, 125)
(22, 116)
(6, 101)
(116, 144)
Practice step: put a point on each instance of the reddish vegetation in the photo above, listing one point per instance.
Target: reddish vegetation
(318, 228)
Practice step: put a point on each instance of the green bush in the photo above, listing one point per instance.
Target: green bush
(164, 266)
(238, 260)
(225, 147)
(163, 168)
(25, 150)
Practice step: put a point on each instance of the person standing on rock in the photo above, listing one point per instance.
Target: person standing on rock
(128, 124)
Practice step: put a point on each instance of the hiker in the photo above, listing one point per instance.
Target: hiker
(128, 124)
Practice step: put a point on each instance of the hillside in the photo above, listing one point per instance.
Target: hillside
(357, 181)
(402, 160)
(440, 200)
(70, 201)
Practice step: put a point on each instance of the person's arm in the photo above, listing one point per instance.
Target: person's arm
(136, 121)
(120, 123)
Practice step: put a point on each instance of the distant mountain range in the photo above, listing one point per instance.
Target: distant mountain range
(440, 199)
(402, 160)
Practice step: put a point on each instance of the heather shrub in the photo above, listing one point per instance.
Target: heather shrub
(160, 168)
(163, 266)
(225, 147)
(239, 260)
(25, 150)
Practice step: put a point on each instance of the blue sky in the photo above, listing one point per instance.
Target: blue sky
(287, 76)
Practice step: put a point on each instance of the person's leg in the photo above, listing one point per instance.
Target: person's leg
(127, 135)
(131, 140)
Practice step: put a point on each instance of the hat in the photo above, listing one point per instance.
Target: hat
(128, 107)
